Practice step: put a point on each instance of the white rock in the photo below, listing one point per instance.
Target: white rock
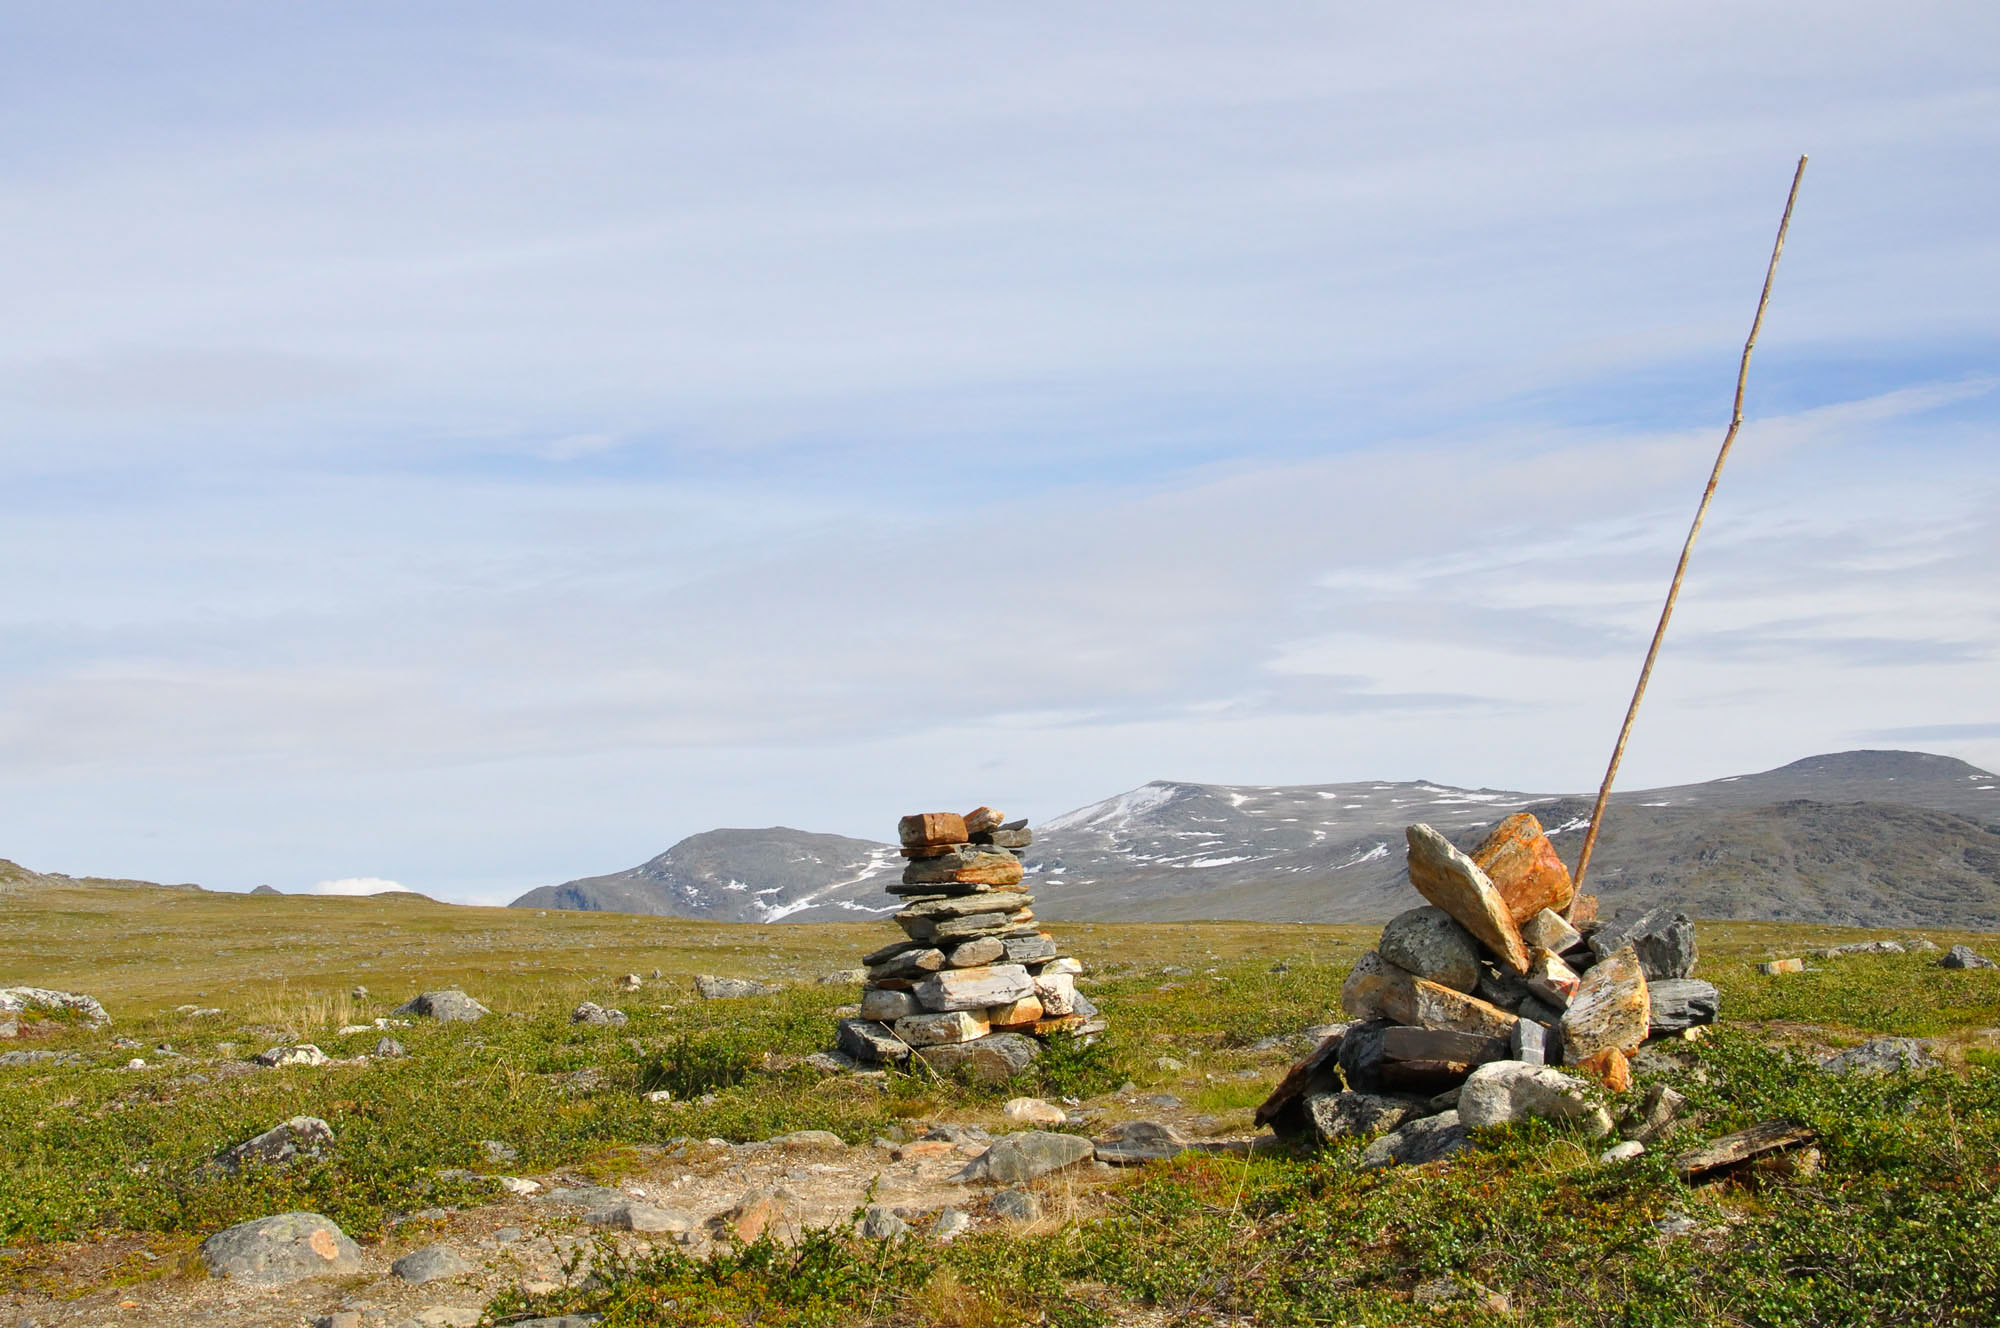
(1034, 1110)
(1501, 1092)
(1624, 1152)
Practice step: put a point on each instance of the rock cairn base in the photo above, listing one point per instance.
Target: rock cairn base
(974, 983)
(1503, 967)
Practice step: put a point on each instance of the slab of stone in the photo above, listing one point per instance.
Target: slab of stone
(891, 950)
(433, 1263)
(1429, 943)
(1014, 840)
(977, 953)
(974, 988)
(1611, 1008)
(1318, 1071)
(450, 1005)
(930, 1030)
(1662, 938)
(1964, 956)
(1524, 867)
(89, 1008)
(867, 1040)
(992, 1059)
(277, 1250)
(917, 962)
(1776, 967)
(1017, 1158)
(301, 1136)
(637, 1215)
(983, 820)
(885, 1006)
(1018, 1016)
(1348, 1114)
(1733, 1149)
(302, 1053)
(972, 864)
(1882, 1055)
(1036, 949)
(1530, 1044)
(931, 829)
(1452, 881)
(1136, 1142)
(1679, 1004)
(1659, 1114)
(1549, 930)
(1377, 989)
(1418, 1142)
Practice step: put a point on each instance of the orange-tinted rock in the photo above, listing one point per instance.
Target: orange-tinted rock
(1553, 981)
(1377, 989)
(1455, 883)
(1522, 864)
(1012, 1017)
(965, 865)
(1582, 910)
(982, 819)
(1611, 1008)
(932, 828)
(1609, 1068)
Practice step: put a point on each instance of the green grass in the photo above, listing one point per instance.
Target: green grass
(1897, 1226)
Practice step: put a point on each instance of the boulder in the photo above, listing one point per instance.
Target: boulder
(301, 1136)
(1548, 930)
(1509, 1091)
(1964, 956)
(1611, 1008)
(993, 1059)
(1525, 868)
(1418, 1142)
(1662, 938)
(866, 1040)
(450, 1005)
(1429, 943)
(1378, 1057)
(16, 1000)
(1025, 1156)
(1377, 989)
(432, 1263)
(712, 988)
(1452, 881)
(1349, 1114)
(1135, 1142)
(1033, 1110)
(975, 988)
(1016, 1206)
(1679, 1004)
(637, 1215)
(1882, 1055)
(879, 1222)
(274, 1251)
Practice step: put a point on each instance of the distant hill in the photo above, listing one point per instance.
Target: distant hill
(1864, 838)
(15, 877)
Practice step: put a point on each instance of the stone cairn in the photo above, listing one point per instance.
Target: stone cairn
(1504, 972)
(974, 983)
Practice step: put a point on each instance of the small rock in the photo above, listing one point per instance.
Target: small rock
(881, 1223)
(339, 1319)
(712, 988)
(389, 1049)
(450, 1005)
(634, 1215)
(498, 1153)
(1622, 1152)
(1168, 1065)
(1776, 966)
(1025, 1156)
(803, 1139)
(831, 1062)
(1034, 1110)
(518, 1185)
(1679, 1004)
(759, 1211)
(448, 1316)
(886, 1006)
(1017, 1206)
(1963, 956)
(304, 1053)
(1530, 1043)
(845, 977)
(592, 1013)
(1135, 1142)
(431, 1264)
(1418, 1142)
(287, 1247)
(951, 1224)
(1883, 1055)
(301, 1136)
(631, 982)
(866, 1040)
(1549, 930)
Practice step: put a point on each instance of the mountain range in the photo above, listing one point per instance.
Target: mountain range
(1871, 838)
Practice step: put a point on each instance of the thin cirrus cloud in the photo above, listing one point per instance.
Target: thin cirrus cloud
(610, 427)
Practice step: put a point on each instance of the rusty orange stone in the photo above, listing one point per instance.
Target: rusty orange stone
(1608, 1067)
(1523, 866)
(1582, 909)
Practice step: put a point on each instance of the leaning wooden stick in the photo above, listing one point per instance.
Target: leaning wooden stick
(1700, 514)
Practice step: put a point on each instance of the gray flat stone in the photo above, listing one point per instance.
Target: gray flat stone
(1025, 1156)
(433, 1263)
(284, 1248)
(450, 1005)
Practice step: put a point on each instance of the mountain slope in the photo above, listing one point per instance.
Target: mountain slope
(742, 876)
(14, 877)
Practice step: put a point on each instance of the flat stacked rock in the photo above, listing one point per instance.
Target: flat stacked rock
(974, 982)
(1504, 963)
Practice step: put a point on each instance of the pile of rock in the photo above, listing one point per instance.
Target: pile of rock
(1505, 967)
(974, 982)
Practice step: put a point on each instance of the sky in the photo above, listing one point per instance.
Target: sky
(473, 446)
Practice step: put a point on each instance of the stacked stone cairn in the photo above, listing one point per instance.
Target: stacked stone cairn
(974, 983)
(1467, 1005)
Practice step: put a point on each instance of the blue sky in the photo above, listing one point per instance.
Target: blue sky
(476, 446)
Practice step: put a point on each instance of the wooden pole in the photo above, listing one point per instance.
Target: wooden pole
(1687, 549)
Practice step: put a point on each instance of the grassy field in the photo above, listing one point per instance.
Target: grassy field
(1896, 1226)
